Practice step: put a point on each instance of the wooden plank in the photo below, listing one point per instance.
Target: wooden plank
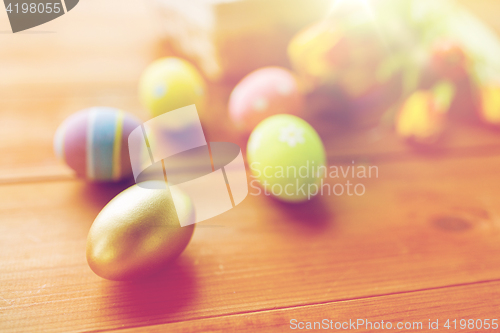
(420, 225)
(99, 42)
(413, 309)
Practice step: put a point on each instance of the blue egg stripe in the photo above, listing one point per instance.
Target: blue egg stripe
(103, 138)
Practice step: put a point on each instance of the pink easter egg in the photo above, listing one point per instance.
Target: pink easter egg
(265, 92)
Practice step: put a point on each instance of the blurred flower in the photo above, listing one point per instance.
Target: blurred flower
(490, 104)
(449, 60)
(307, 52)
(333, 53)
(422, 115)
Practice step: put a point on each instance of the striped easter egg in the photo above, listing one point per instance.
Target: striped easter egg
(93, 142)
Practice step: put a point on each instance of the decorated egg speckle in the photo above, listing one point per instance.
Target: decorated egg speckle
(93, 142)
(169, 84)
(286, 156)
(263, 93)
(138, 232)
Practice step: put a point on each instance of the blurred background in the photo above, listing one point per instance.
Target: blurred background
(357, 61)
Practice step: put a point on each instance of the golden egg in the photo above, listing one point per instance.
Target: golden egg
(138, 233)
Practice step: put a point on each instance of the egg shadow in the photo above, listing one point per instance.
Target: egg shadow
(430, 150)
(157, 299)
(97, 195)
(313, 214)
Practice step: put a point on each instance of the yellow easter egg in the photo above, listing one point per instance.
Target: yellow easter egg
(169, 84)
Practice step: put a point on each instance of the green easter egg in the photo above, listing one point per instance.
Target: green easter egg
(286, 157)
(169, 84)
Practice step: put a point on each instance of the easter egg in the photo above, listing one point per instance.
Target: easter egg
(263, 93)
(93, 142)
(169, 84)
(286, 157)
(138, 232)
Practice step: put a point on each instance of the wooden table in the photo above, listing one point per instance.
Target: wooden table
(422, 244)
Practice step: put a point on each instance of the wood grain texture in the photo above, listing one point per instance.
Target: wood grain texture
(104, 42)
(423, 242)
(418, 226)
(413, 309)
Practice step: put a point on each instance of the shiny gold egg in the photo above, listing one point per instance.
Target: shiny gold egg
(138, 233)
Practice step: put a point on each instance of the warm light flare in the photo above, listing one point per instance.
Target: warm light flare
(364, 5)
